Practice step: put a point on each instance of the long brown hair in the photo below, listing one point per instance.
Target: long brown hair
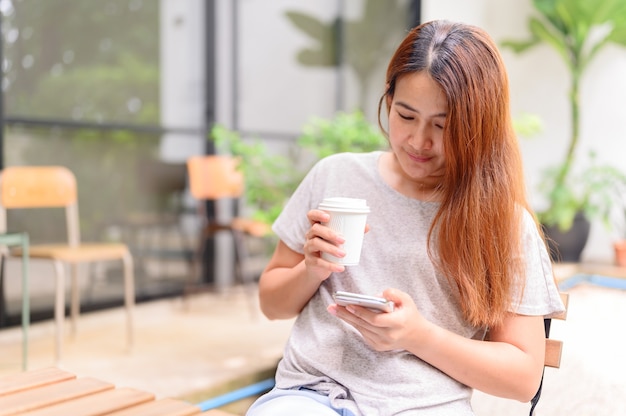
(477, 227)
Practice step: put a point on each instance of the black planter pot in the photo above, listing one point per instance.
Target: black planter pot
(567, 246)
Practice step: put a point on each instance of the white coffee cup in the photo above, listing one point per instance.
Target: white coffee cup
(348, 217)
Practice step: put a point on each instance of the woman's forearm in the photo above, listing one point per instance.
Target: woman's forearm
(283, 291)
(495, 367)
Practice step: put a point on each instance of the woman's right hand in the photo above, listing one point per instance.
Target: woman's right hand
(321, 239)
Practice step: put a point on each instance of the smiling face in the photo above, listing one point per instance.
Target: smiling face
(417, 116)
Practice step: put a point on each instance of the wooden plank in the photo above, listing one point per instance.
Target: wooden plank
(50, 394)
(163, 407)
(554, 348)
(96, 404)
(217, 412)
(32, 379)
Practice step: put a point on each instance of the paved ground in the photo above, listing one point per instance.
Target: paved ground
(181, 350)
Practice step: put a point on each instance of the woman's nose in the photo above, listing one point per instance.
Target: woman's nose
(421, 138)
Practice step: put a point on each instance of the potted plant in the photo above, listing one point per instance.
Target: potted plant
(271, 178)
(577, 30)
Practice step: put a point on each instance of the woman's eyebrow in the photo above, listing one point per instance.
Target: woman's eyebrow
(408, 107)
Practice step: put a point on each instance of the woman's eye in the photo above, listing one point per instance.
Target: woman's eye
(439, 126)
(405, 117)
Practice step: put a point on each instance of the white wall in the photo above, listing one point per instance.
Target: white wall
(539, 84)
(182, 77)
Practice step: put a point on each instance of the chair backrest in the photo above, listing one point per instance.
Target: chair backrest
(215, 177)
(40, 187)
(554, 349)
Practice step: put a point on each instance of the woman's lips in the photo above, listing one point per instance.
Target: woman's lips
(418, 158)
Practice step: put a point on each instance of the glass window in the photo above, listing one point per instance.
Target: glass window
(94, 61)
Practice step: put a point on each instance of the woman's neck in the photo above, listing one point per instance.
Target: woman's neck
(422, 189)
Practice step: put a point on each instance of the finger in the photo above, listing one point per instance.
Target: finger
(371, 334)
(316, 246)
(325, 233)
(318, 216)
(358, 316)
(394, 295)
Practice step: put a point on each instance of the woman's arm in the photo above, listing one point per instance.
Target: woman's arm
(508, 365)
(290, 278)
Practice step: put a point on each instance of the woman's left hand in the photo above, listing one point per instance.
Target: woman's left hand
(388, 330)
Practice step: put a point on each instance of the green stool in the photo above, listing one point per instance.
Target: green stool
(21, 239)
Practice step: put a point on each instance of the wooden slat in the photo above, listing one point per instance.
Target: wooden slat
(554, 348)
(217, 412)
(565, 300)
(32, 379)
(50, 394)
(84, 253)
(163, 407)
(97, 404)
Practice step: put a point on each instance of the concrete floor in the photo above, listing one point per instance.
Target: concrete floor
(183, 350)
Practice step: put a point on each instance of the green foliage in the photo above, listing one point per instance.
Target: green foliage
(577, 30)
(528, 125)
(365, 42)
(272, 178)
(596, 191)
(346, 132)
(269, 178)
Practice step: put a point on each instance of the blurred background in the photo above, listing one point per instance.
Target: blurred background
(123, 92)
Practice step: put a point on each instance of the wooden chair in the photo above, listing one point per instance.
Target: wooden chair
(554, 349)
(55, 187)
(215, 178)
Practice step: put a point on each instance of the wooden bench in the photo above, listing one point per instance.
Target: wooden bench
(54, 392)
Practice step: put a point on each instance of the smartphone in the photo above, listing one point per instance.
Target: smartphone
(374, 303)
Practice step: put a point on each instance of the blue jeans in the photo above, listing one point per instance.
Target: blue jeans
(303, 402)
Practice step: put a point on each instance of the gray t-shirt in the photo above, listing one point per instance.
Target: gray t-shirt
(325, 354)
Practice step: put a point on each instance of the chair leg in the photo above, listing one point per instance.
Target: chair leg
(244, 278)
(75, 302)
(3, 310)
(240, 255)
(129, 299)
(59, 309)
(25, 300)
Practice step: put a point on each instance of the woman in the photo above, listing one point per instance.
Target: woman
(451, 241)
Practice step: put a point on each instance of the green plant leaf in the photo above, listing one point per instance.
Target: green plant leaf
(323, 53)
(520, 46)
(540, 31)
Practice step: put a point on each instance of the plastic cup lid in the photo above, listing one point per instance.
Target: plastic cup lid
(344, 205)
